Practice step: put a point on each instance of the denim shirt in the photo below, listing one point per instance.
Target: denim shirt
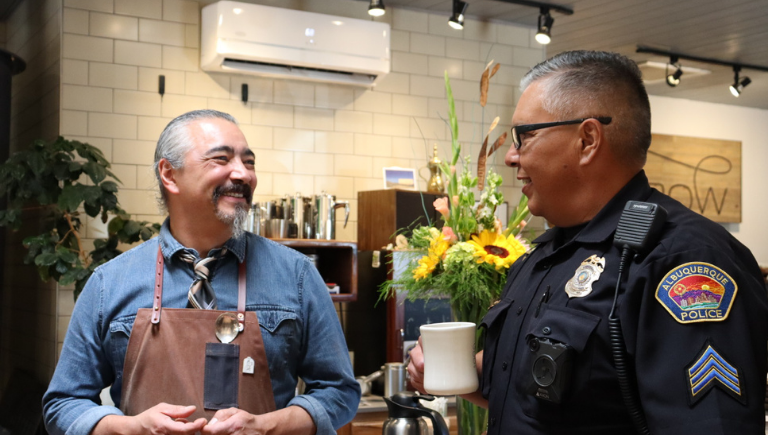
(301, 332)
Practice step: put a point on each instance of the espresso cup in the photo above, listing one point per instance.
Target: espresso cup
(449, 358)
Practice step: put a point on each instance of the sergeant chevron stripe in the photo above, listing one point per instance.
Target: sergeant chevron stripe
(711, 370)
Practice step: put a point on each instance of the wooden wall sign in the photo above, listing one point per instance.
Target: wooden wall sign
(703, 174)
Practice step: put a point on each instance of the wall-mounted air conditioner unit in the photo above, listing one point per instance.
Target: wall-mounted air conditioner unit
(276, 42)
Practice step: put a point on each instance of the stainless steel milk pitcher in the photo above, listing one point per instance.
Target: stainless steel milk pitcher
(325, 218)
(302, 215)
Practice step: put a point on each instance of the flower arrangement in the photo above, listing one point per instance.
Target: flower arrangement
(468, 259)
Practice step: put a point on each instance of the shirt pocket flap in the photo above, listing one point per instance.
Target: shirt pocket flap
(117, 342)
(270, 319)
(122, 325)
(565, 325)
(495, 313)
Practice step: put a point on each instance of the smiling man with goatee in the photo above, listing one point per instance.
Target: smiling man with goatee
(206, 328)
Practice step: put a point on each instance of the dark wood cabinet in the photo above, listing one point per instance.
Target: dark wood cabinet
(378, 331)
(382, 213)
(336, 262)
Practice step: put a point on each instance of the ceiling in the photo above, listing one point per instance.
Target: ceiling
(733, 31)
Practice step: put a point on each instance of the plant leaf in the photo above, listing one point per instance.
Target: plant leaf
(75, 169)
(115, 225)
(109, 186)
(493, 125)
(495, 70)
(61, 171)
(481, 164)
(91, 194)
(66, 256)
(498, 144)
(69, 276)
(109, 201)
(92, 210)
(36, 163)
(62, 267)
(454, 123)
(131, 228)
(96, 171)
(146, 233)
(46, 259)
(484, 80)
(70, 198)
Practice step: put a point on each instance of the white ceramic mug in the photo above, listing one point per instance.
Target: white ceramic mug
(449, 358)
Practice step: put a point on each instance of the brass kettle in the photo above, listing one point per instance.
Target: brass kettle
(435, 184)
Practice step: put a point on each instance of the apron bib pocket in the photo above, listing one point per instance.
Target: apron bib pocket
(222, 366)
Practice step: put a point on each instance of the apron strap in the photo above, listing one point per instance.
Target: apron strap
(158, 302)
(241, 295)
(157, 306)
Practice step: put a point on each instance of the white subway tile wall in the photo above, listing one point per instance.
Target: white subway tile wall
(308, 137)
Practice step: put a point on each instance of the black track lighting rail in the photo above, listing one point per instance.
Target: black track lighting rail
(541, 5)
(672, 54)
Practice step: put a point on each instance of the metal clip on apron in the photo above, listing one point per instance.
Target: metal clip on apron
(180, 360)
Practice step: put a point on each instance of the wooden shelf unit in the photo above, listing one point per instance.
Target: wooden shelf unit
(336, 262)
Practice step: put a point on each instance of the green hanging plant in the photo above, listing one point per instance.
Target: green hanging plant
(50, 177)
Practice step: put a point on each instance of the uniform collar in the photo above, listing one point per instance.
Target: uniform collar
(603, 225)
(170, 246)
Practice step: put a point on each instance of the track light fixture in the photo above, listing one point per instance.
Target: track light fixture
(674, 78)
(738, 86)
(544, 35)
(376, 9)
(457, 18)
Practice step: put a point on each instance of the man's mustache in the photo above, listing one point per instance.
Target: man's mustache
(242, 189)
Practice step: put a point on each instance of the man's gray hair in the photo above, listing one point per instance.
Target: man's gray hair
(581, 83)
(174, 143)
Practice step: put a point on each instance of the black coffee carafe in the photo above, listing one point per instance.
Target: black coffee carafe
(405, 411)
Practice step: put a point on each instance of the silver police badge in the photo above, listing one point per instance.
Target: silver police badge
(589, 271)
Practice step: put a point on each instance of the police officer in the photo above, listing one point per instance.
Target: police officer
(692, 306)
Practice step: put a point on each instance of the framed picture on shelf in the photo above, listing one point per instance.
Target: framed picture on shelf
(400, 178)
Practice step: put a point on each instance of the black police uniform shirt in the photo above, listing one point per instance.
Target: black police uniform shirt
(694, 313)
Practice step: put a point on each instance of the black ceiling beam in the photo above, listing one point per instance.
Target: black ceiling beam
(541, 5)
(665, 53)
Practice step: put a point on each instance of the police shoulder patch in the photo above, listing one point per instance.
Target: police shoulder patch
(710, 369)
(697, 292)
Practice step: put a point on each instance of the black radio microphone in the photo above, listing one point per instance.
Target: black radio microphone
(639, 228)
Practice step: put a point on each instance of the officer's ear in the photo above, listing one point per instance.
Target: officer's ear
(168, 176)
(592, 140)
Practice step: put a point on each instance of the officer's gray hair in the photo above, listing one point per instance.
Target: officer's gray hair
(581, 83)
(174, 143)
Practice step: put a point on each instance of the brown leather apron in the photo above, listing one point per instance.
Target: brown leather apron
(166, 361)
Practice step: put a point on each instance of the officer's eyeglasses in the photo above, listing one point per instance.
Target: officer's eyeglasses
(519, 130)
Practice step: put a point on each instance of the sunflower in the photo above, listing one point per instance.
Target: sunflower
(427, 264)
(493, 248)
